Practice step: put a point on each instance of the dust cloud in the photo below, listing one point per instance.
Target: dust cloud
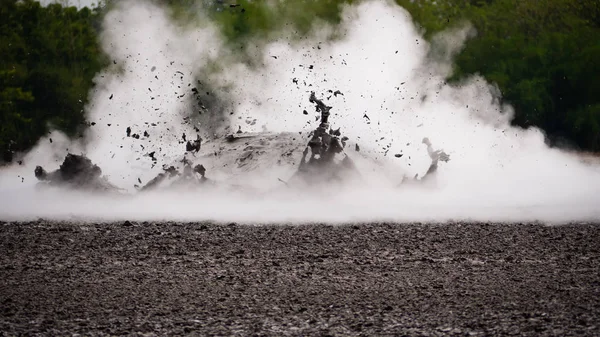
(387, 87)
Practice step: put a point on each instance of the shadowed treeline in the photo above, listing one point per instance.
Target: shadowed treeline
(48, 58)
(544, 55)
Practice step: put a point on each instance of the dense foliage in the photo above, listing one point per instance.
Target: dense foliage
(48, 57)
(543, 54)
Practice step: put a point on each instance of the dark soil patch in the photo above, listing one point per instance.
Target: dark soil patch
(384, 279)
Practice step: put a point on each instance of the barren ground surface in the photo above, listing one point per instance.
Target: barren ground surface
(370, 279)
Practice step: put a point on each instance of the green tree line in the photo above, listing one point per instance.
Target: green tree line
(48, 57)
(543, 54)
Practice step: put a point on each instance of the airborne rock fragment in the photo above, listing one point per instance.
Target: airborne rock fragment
(194, 145)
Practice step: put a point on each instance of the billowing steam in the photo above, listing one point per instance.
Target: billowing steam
(386, 86)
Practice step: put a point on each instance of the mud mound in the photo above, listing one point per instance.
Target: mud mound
(78, 172)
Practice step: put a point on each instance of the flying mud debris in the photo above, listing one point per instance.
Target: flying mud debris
(435, 155)
(190, 177)
(323, 160)
(194, 145)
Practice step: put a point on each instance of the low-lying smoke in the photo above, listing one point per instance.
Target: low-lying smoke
(387, 88)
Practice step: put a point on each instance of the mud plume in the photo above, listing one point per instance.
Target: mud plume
(386, 90)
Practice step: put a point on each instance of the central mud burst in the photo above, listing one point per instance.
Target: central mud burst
(245, 161)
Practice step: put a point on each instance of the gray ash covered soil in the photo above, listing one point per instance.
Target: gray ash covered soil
(370, 279)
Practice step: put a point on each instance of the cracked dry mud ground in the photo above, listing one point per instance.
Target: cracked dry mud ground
(371, 279)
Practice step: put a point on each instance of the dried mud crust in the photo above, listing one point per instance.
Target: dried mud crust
(207, 279)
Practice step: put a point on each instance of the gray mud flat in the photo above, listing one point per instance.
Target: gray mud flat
(381, 279)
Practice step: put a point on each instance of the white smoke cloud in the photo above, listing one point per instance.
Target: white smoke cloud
(147, 89)
(394, 95)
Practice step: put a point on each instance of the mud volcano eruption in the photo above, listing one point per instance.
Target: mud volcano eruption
(356, 116)
(328, 185)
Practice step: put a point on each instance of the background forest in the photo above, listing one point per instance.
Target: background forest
(543, 54)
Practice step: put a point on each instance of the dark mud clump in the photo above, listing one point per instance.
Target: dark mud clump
(372, 280)
(76, 171)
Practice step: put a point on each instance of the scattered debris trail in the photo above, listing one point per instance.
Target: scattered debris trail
(323, 160)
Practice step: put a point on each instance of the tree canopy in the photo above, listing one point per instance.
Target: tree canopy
(48, 57)
(543, 54)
